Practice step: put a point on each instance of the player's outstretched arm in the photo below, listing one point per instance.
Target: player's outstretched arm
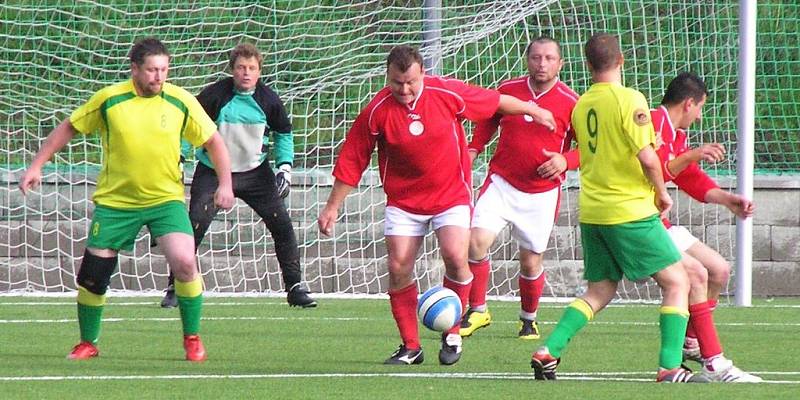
(329, 214)
(710, 152)
(55, 141)
(651, 165)
(511, 105)
(223, 198)
(742, 207)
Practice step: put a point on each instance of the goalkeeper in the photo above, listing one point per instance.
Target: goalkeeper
(141, 122)
(246, 111)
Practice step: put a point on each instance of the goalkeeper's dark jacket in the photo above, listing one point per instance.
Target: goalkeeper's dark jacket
(245, 120)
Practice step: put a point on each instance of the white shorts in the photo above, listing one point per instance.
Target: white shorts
(402, 223)
(531, 215)
(682, 238)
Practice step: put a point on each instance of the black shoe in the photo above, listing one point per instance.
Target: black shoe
(405, 356)
(169, 301)
(298, 297)
(450, 352)
(528, 329)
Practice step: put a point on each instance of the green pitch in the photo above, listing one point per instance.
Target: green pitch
(260, 348)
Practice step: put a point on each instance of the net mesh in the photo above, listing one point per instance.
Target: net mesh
(326, 60)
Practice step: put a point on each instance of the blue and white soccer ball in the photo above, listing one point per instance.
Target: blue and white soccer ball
(439, 308)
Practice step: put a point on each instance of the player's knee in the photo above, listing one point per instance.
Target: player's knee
(454, 259)
(95, 273)
(478, 247)
(698, 275)
(183, 263)
(674, 279)
(719, 274)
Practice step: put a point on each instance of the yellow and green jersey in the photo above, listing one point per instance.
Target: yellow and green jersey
(612, 124)
(141, 138)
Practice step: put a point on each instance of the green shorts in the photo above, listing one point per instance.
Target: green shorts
(116, 229)
(636, 249)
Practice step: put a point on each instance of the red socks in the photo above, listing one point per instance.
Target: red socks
(530, 291)
(462, 289)
(703, 323)
(404, 310)
(480, 282)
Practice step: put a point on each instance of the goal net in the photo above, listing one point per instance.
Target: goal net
(326, 60)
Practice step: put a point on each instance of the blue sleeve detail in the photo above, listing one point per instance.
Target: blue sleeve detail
(284, 148)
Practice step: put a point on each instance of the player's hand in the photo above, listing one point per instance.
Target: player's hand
(30, 180)
(710, 152)
(740, 206)
(223, 197)
(327, 219)
(554, 167)
(663, 203)
(283, 180)
(542, 116)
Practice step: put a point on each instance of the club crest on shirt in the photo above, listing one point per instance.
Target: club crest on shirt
(641, 117)
(416, 128)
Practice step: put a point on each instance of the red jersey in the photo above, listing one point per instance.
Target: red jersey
(422, 150)
(519, 151)
(671, 143)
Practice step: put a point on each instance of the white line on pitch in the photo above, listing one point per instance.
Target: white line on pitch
(587, 376)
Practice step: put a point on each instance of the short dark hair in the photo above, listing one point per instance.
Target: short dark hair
(685, 86)
(146, 47)
(602, 52)
(403, 57)
(542, 39)
(245, 50)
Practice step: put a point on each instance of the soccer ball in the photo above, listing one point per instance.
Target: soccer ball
(439, 308)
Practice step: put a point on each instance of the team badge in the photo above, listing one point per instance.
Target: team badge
(416, 128)
(641, 117)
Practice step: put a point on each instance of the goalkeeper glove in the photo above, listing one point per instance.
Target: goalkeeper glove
(283, 180)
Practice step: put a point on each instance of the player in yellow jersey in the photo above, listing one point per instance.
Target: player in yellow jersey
(621, 232)
(141, 122)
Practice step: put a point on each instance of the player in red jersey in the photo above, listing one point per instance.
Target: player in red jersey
(523, 186)
(708, 270)
(415, 122)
